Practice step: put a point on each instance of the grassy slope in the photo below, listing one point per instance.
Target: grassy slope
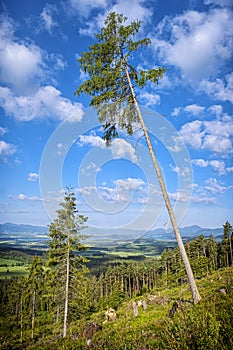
(149, 329)
(208, 325)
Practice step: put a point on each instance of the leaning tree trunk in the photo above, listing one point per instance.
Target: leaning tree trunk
(195, 294)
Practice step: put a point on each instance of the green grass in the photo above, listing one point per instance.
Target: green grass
(153, 329)
(10, 268)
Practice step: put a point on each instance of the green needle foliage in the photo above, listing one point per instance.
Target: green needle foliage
(107, 63)
(112, 84)
(64, 247)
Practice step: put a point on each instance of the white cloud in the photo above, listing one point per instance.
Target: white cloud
(221, 89)
(86, 190)
(84, 7)
(32, 177)
(46, 102)
(92, 167)
(200, 162)
(216, 165)
(204, 199)
(214, 136)
(217, 144)
(6, 149)
(47, 19)
(222, 3)
(176, 111)
(192, 134)
(19, 62)
(121, 191)
(24, 197)
(150, 99)
(213, 186)
(3, 131)
(180, 196)
(120, 148)
(24, 65)
(93, 140)
(180, 171)
(133, 10)
(61, 148)
(216, 109)
(130, 184)
(198, 43)
(194, 109)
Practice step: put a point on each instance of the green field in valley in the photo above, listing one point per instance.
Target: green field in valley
(10, 268)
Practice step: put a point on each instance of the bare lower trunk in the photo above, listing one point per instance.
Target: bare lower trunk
(195, 294)
(21, 319)
(33, 312)
(66, 294)
(231, 255)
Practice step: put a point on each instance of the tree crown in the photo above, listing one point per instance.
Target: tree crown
(107, 63)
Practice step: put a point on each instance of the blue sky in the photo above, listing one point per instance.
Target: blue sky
(50, 139)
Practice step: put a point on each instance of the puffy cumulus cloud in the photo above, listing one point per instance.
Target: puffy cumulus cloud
(22, 63)
(47, 18)
(192, 133)
(32, 177)
(86, 190)
(7, 149)
(184, 196)
(193, 109)
(24, 197)
(92, 140)
(220, 89)
(133, 10)
(121, 191)
(217, 144)
(214, 136)
(180, 196)
(198, 43)
(123, 149)
(85, 7)
(212, 185)
(217, 166)
(120, 148)
(150, 99)
(216, 109)
(130, 184)
(19, 62)
(200, 162)
(46, 102)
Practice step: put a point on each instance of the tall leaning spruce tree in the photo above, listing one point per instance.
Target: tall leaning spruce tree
(111, 84)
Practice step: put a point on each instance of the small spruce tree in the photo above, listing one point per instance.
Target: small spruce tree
(64, 244)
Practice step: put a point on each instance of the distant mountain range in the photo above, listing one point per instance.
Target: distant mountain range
(23, 232)
(9, 227)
